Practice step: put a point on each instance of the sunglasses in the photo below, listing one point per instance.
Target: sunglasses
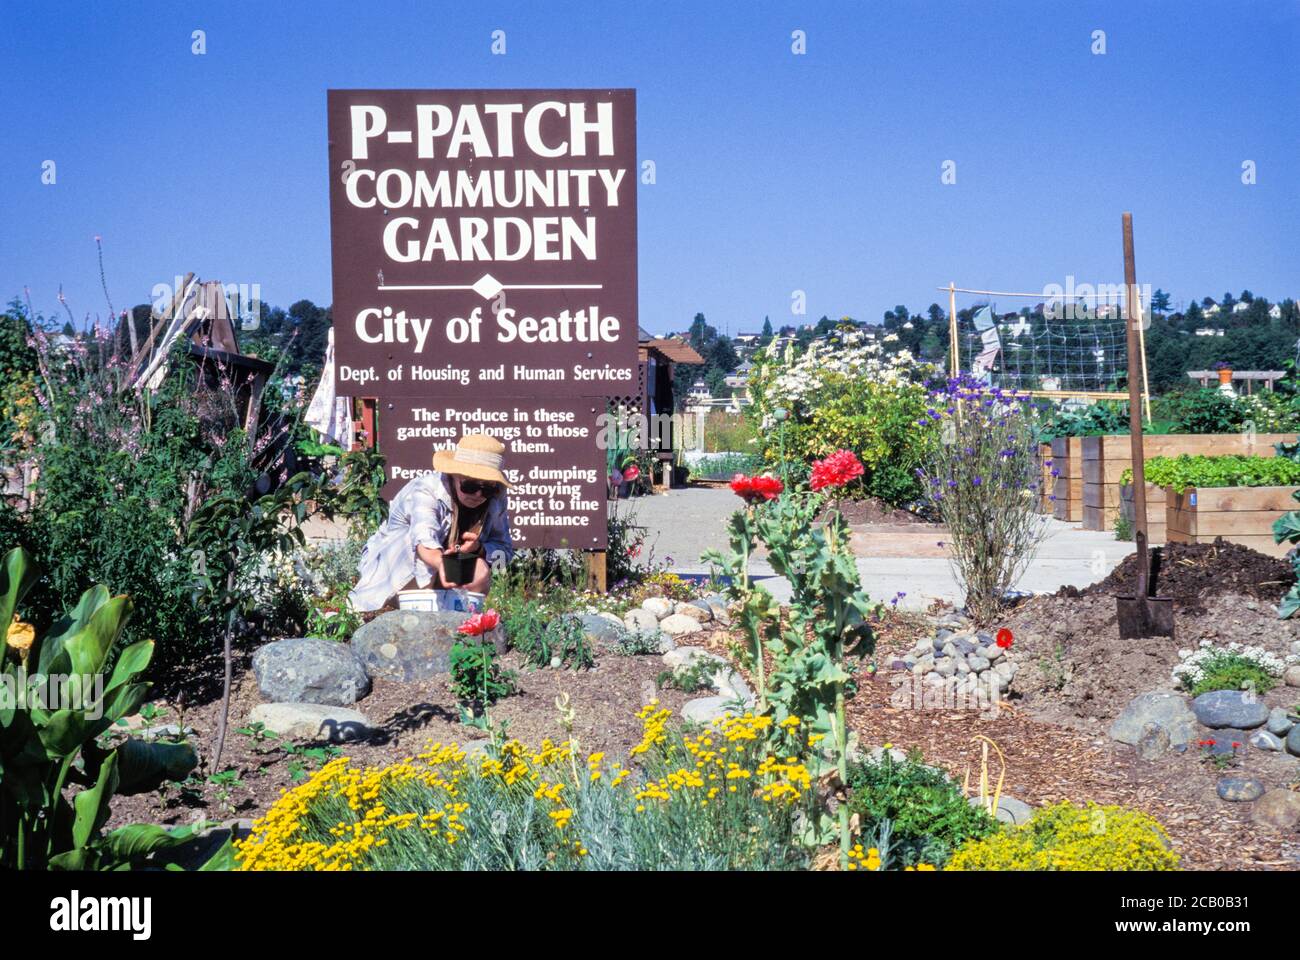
(475, 487)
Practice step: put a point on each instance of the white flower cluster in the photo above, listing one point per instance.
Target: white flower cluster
(1196, 663)
(794, 380)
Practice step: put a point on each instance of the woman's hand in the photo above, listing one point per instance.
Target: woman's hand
(469, 542)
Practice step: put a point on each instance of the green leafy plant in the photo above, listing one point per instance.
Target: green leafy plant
(1206, 411)
(928, 815)
(73, 692)
(1123, 528)
(1218, 471)
(332, 620)
(688, 679)
(477, 679)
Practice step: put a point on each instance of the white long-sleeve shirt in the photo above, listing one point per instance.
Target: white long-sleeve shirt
(420, 516)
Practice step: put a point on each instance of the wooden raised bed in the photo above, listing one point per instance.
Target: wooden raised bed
(1106, 458)
(1156, 510)
(1243, 515)
(1046, 484)
(1068, 487)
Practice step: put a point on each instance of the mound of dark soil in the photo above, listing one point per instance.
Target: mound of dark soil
(870, 510)
(1192, 572)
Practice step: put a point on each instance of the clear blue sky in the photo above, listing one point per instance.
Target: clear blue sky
(776, 172)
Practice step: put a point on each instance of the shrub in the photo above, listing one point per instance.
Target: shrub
(927, 814)
(1066, 837)
(689, 806)
(845, 393)
(982, 479)
(1234, 667)
(1206, 410)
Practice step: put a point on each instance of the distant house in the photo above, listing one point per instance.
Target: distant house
(1241, 306)
(1275, 312)
(1211, 310)
(748, 339)
(1209, 331)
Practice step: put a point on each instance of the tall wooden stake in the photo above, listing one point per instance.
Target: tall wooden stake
(954, 362)
(1132, 321)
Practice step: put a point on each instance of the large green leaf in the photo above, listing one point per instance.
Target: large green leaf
(53, 658)
(93, 805)
(143, 766)
(89, 648)
(17, 574)
(132, 660)
(1287, 527)
(141, 839)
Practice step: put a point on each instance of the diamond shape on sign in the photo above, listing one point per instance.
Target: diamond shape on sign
(487, 286)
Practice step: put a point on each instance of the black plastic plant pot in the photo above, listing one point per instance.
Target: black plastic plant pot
(458, 569)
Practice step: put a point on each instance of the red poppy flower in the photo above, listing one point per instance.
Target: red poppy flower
(1004, 639)
(1235, 744)
(755, 489)
(480, 623)
(839, 468)
(742, 486)
(631, 473)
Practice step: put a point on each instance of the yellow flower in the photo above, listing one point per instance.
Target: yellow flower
(21, 636)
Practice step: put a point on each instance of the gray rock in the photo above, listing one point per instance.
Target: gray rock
(1010, 810)
(1293, 741)
(984, 638)
(602, 632)
(1223, 740)
(688, 656)
(732, 685)
(695, 610)
(1279, 809)
(943, 634)
(993, 651)
(1230, 708)
(705, 710)
(312, 721)
(163, 731)
(964, 646)
(963, 667)
(473, 749)
(1166, 710)
(946, 667)
(1154, 742)
(408, 645)
(639, 619)
(977, 663)
(1295, 647)
(679, 625)
(1279, 723)
(1292, 676)
(1240, 789)
(718, 607)
(304, 670)
(1263, 740)
(660, 606)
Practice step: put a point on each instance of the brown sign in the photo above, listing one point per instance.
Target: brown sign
(556, 471)
(484, 242)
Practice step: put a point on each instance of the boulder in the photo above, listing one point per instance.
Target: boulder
(305, 670)
(1292, 676)
(1279, 809)
(601, 631)
(704, 710)
(1263, 740)
(1240, 789)
(718, 606)
(312, 721)
(660, 606)
(1010, 810)
(1166, 710)
(408, 645)
(1230, 708)
(1293, 741)
(678, 625)
(640, 619)
(1279, 723)
(682, 657)
(1154, 742)
(695, 610)
(732, 685)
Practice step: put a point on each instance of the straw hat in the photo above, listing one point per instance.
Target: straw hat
(477, 456)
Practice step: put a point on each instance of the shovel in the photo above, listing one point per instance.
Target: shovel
(1143, 615)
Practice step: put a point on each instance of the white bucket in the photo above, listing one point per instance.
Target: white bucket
(461, 601)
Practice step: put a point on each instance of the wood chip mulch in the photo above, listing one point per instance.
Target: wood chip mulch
(1047, 762)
